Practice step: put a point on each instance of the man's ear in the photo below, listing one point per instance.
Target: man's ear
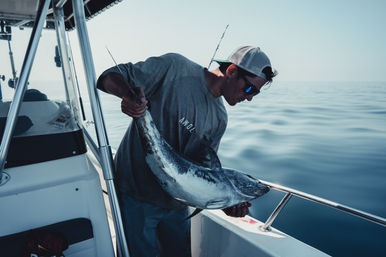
(232, 71)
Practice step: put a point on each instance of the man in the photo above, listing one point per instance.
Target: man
(187, 108)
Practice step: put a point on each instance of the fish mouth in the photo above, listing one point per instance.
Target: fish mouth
(262, 190)
(259, 191)
(266, 189)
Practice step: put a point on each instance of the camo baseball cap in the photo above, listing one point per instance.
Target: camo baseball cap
(249, 58)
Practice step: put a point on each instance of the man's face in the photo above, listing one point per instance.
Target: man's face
(242, 88)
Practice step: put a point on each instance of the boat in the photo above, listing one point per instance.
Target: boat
(54, 176)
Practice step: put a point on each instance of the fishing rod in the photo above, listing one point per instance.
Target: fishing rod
(76, 78)
(131, 86)
(218, 45)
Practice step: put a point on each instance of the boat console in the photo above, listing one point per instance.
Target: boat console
(45, 130)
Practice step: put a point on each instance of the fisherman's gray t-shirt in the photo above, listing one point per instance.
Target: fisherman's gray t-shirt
(185, 112)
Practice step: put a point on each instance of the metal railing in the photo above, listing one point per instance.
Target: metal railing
(292, 192)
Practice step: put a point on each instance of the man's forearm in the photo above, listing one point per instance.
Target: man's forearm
(113, 83)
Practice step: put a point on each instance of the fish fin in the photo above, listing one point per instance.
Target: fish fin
(196, 211)
(215, 163)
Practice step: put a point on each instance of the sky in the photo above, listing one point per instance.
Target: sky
(306, 40)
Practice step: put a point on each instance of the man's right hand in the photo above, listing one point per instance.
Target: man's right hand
(130, 107)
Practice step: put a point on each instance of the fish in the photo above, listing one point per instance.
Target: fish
(197, 186)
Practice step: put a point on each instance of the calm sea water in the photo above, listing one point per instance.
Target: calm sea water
(325, 138)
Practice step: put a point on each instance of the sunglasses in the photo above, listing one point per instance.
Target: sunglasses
(250, 89)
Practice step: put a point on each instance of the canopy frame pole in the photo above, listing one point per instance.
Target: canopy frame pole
(104, 147)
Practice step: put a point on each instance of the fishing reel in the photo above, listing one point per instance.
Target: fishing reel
(5, 31)
(12, 82)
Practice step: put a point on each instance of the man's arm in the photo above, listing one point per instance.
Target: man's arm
(114, 83)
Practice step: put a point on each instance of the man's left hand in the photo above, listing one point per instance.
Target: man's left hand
(239, 210)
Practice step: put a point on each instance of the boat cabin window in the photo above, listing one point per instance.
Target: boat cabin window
(48, 126)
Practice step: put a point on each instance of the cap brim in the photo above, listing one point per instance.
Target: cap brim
(221, 61)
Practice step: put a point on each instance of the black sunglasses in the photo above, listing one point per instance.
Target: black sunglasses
(250, 89)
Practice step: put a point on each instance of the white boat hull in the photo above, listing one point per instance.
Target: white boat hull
(216, 234)
(46, 193)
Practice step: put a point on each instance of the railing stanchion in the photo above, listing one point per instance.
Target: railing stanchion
(276, 212)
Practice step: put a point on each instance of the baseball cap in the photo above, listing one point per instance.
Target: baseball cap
(249, 58)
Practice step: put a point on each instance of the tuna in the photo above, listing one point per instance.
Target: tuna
(190, 183)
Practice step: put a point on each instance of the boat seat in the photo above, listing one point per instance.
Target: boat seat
(75, 231)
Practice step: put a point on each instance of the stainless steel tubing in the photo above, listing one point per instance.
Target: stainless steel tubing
(68, 75)
(12, 62)
(22, 83)
(92, 145)
(276, 212)
(352, 211)
(60, 3)
(61, 36)
(105, 150)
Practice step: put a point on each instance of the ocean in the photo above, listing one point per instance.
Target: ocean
(324, 138)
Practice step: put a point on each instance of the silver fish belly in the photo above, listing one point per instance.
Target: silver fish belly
(190, 183)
